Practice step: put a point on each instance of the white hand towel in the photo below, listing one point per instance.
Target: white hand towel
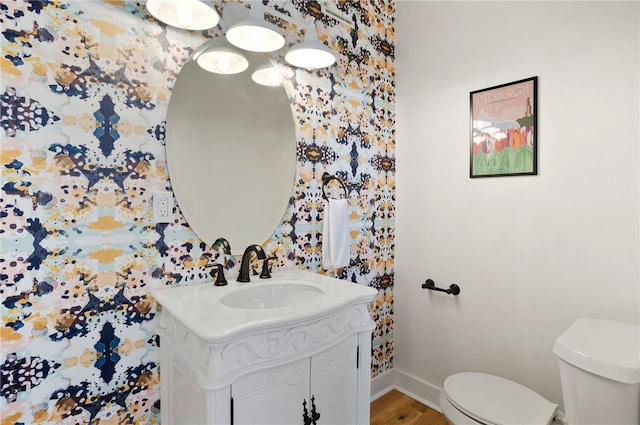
(336, 241)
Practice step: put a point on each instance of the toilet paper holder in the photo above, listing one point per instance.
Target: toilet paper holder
(430, 284)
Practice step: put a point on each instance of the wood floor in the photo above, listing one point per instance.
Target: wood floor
(395, 408)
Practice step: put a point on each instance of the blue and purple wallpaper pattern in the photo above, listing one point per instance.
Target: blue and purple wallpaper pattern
(84, 91)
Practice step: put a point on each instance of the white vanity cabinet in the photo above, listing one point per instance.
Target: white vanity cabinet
(266, 366)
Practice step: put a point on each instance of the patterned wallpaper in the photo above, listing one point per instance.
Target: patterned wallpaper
(84, 92)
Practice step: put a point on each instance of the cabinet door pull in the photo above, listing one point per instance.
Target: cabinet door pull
(305, 413)
(315, 415)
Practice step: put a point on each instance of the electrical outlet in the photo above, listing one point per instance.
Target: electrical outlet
(162, 207)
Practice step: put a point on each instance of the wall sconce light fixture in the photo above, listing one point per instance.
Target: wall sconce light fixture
(249, 31)
(221, 58)
(311, 53)
(267, 75)
(246, 29)
(185, 14)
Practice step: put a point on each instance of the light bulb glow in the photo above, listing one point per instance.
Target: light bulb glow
(186, 14)
(255, 37)
(222, 61)
(267, 76)
(310, 55)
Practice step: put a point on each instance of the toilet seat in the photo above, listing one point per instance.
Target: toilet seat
(493, 400)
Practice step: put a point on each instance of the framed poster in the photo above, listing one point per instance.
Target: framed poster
(504, 130)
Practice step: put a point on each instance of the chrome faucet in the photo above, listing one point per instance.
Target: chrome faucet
(243, 275)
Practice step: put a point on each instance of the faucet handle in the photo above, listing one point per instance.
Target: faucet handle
(219, 269)
(266, 274)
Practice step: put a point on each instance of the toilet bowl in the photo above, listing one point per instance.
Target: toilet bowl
(472, 398)
(599, 364)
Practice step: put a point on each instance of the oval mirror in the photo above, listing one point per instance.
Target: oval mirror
(231, 153)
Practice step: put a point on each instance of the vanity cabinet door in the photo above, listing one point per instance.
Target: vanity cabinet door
(334, 383)
(272, 396)
(327, 383)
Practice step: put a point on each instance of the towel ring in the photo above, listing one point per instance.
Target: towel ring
(326, 178)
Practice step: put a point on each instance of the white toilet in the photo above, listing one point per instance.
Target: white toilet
(600, 373)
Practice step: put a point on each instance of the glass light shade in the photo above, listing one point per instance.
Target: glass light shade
(255, 35)
(310, 54)
(267, 75)
(186, 14)
(222, 60)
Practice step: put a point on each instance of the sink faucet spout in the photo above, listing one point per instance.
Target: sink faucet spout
(243, 275)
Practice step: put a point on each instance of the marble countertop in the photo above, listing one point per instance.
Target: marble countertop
(200, 308)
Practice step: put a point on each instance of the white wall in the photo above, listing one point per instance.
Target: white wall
(531, 253)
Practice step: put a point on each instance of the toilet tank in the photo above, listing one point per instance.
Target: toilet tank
(599, 364)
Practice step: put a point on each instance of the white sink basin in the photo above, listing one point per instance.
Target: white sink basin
(284, 294)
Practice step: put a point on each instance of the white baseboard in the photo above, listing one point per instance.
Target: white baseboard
(418, 389)
(415, 388)
(382, 384)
